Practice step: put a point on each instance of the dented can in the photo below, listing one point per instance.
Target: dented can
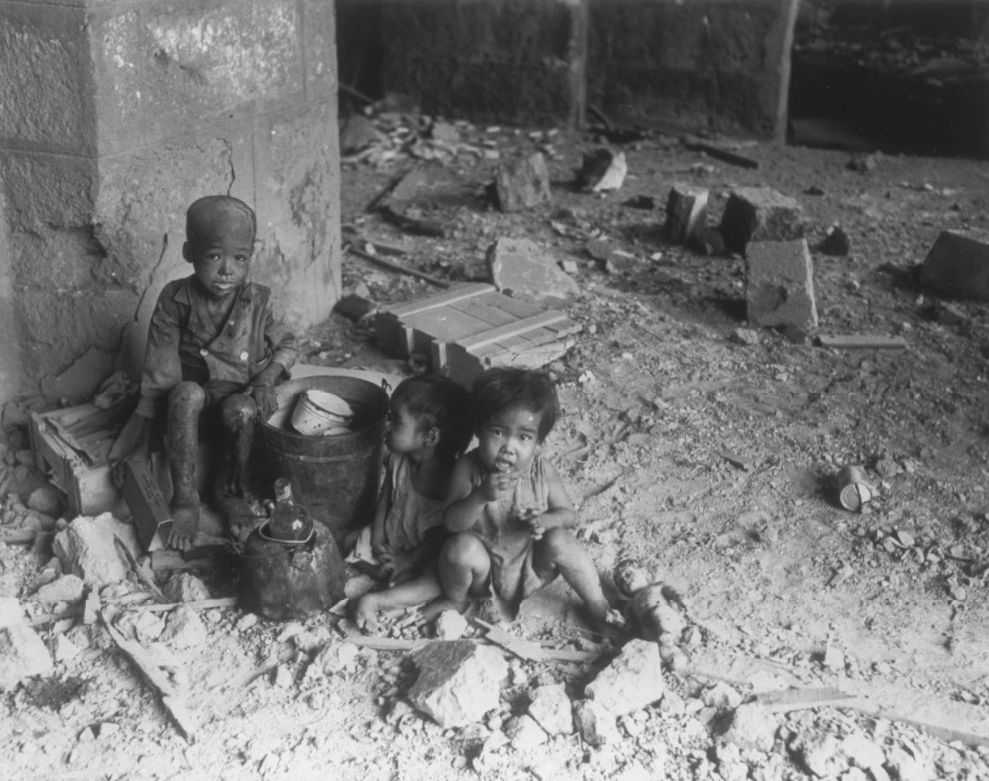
(853, 488)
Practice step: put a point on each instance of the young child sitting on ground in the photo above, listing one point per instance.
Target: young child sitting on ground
(509, 512)
(214, 354)
(428, 429)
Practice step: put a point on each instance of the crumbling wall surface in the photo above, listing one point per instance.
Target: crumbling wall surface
(692, 64)
(116, 115)
(504, 60)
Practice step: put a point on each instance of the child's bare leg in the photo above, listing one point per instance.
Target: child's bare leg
(185, 403)
(464, 567)
(424, 588)
(238, 413)
(559, 551)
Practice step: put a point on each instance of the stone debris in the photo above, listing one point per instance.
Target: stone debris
(708, 241)
(22, 652)
(184, 629)
(957, 266)
(143, 625)
(730, 763)
(450, 625)
(632, 681)
(524, 732)
(746, 336)
(68, 588)
(686, 212)
(551, 707)
(334, 657)
(444, 131)
(357, 133)
(752, 727)
(459, 681)
(601, 170)
(862, 752)
(906, 766)
(522, 183)
(65, 650)
(819, 752)
(185, 587)
(86, 548)
(246, 621)
(524, 268)
(721, 696)
(835, 242)
(595, 723)
(760, 214)
(779, 288)
(46, 499)
(865, 163)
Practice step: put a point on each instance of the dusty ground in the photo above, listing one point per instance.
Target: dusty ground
(705, 457)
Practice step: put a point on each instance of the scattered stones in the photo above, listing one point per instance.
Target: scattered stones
(68, 588)
(459, 681)
(551, 707)
(907, 767)
(595, 723)
(602, 170)
(759, 214)
(632, 681)
(444, 131)
(245, 622)
(184, 628)
(65, 650)
(672, 703)
(835, 242)
(746, 336)
(450, 625)
(958, 265)
(522, 183)
(86, 548)
(819, 753)
(524, 268)
(283, 678)
(144, 625)
(333, 658)
(22, 652)
(780, 284)
(833, 659)
(865, 163)
(730, 764)
(752, 727)
(185, 587)
(46, 499)
(721, 696)
(862, 752)
(524, 732)
(686, 212)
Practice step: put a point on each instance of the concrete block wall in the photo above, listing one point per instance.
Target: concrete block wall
(116, 115)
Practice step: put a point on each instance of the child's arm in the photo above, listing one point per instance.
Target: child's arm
(466, 501)
(560, 510)
(285, 351)
(380, 511)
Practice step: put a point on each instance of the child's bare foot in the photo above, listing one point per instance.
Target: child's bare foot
(185, 524)
(365, 613)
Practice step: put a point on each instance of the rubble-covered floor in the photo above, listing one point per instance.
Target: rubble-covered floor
(693, 444)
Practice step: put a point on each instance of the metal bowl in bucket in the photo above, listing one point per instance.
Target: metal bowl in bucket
(335, 477)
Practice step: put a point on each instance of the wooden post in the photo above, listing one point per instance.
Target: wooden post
(788, 23)
(577, 61)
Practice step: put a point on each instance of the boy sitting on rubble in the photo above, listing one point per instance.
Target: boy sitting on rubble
(508, 512)
(428, 429)
(215, 351)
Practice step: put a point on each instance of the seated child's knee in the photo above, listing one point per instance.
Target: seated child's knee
(465, 550)
(187, 395)
(238, 411)
(558, 543)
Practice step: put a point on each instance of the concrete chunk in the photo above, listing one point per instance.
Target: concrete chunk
(459, 681)
(958, 265)
(68, 588)
(22, 652)
(780, 284)
(631, 682)
(522, 183)
(87, 549)
(595, 723)
(551, 707)
(759, 214)
(686, 212)
(524, 268)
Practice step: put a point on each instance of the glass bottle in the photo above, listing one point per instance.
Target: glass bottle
(288, 521)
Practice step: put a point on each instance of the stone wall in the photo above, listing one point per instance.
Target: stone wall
(116, 115)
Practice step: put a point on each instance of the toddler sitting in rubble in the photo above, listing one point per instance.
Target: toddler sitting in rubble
(428, 429)
(508, 513)
(215, 351)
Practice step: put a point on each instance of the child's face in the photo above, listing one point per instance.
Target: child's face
(508, 441)
(404, 434)
(221, 263)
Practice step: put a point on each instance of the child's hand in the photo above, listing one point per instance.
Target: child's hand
(264, 397)
(495, 484)
(395, 566)
(531, 519)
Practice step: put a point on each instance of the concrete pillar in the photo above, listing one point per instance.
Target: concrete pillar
(116, 114)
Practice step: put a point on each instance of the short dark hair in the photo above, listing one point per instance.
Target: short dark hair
(437, 401)
(503, 387)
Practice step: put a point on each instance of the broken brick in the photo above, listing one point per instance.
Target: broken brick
(524, 268)
(522, 183)
(760, 214)
(459, 681)
(958, 265)
(631, 682)
(686, 212)
(780, 284)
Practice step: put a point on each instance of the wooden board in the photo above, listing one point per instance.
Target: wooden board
(471, 327)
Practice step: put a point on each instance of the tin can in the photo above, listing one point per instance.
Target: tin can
(854, 490)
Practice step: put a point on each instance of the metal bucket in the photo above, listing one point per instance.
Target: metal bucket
(335, 477)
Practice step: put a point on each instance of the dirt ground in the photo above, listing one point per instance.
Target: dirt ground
(692, 445)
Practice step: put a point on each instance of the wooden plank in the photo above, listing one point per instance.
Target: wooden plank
(446, 324)
(861, 342)
(553, 333)
(514, 306)
(457, 293)
(488, 313)
(511, 329)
